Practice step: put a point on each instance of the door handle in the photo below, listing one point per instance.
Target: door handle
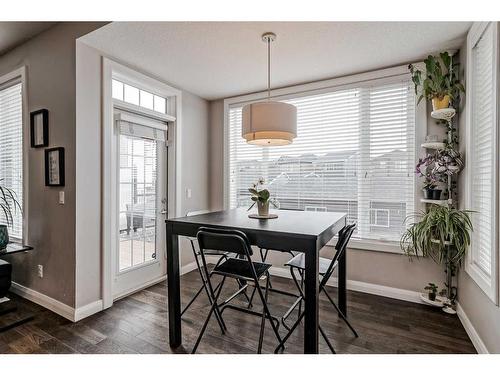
(163, 212)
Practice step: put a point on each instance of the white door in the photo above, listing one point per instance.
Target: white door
(141, 181)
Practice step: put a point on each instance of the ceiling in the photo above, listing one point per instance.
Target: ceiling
(223, 59)
(14, 33)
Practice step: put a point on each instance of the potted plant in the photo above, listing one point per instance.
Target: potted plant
(439, 83)
(426, 168)
(443, 234)
(432, 288)
(261, 197)
(8, 205)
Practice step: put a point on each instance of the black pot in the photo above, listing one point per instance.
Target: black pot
(436, 194)
(427, 193)
(432, 296)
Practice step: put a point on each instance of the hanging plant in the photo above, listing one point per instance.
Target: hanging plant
(439, 83)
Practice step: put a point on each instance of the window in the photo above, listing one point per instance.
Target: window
(354, 153)
(482, 154)
(133, 95)
(11, 150)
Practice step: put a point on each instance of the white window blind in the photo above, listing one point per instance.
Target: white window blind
(482, 153)
(354, 153)
(11, 151)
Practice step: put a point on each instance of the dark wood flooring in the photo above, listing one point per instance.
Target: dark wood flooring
(138, 324)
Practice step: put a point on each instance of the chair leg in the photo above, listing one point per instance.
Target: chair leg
(263, 321)
(212, 309)
(342, 316)
(287, 336)
(193, 299)
(302, 288)
(327, 341)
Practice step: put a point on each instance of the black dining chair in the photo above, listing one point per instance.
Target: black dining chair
(326, 268)
(222, 255)
(242, 268)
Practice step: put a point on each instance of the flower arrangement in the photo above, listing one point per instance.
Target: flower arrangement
(262, 197)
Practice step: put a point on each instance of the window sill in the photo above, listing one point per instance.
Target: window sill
(372, 245)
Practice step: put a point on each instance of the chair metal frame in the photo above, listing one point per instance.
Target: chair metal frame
(341, 246)
(241, 247)
(199, 267)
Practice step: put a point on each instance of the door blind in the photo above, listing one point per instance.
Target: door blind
(482, 152)
(11, 151)
(354, 153)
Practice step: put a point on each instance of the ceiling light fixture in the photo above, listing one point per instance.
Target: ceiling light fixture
(269, 123)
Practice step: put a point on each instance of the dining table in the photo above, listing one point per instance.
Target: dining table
(300, 231)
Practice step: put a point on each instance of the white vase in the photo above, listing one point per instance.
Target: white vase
(263, 208)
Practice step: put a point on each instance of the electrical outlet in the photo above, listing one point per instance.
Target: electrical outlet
(188, 193)
(40, 271)
(61, 197)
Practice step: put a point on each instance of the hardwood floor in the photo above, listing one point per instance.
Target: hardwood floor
(138, 324)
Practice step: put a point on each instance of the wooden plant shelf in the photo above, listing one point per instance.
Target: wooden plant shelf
(444, 114)
(441, 202)
(434, 145)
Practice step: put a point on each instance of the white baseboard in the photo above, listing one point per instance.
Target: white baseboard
(50, 303)
(471, 331)
(188, 268)
(359, 286)
(87, 310)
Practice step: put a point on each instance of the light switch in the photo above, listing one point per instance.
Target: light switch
(188, 193)
(61, 197)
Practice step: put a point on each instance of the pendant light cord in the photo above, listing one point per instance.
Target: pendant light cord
(268, 69)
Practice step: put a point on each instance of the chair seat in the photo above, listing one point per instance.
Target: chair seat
(299, 261)
(240, 268)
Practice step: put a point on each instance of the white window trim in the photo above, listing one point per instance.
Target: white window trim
(113, 69)
(20, 75)
(489, 285)
(318, 87)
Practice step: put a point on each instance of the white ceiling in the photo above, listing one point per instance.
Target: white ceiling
(223, 59)
(14, 33)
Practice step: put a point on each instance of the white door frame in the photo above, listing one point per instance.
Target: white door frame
(112, 69)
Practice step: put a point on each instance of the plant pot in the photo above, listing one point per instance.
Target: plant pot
(436, 194)
(442, 103)
(432, 296)
(4, 236)
(263, 208)
(427, 193)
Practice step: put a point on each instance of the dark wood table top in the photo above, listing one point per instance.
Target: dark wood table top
(305, 223)
(13, 248)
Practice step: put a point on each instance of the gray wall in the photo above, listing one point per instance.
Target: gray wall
(194, 165)
(387, 269)
(50, 60)
(481, 311)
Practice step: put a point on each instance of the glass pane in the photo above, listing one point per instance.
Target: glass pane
(146, 100)
(131, 94)
(160, 104)
(137, 201)
(117, 88)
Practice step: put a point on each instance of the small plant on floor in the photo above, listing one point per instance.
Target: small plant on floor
(261, 197)
(8, 205)
(432, 288)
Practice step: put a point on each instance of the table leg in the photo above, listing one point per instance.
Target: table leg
(311, 290)
(174, 290)
(342, 283)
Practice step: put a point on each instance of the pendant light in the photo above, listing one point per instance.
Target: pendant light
(269, 123)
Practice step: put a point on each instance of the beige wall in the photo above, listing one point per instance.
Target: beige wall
(481, 311)
(387, 269)
(50, 61)
(194, 165)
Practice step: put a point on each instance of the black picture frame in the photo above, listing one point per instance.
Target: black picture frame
(54, 169)
(45, 128)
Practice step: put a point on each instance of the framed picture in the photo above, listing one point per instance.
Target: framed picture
(39, 122)
(54, 166)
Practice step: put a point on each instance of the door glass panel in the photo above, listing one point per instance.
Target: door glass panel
(137, 201)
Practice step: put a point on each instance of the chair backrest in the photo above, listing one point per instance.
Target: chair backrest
(341, 246)
(231, 241)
